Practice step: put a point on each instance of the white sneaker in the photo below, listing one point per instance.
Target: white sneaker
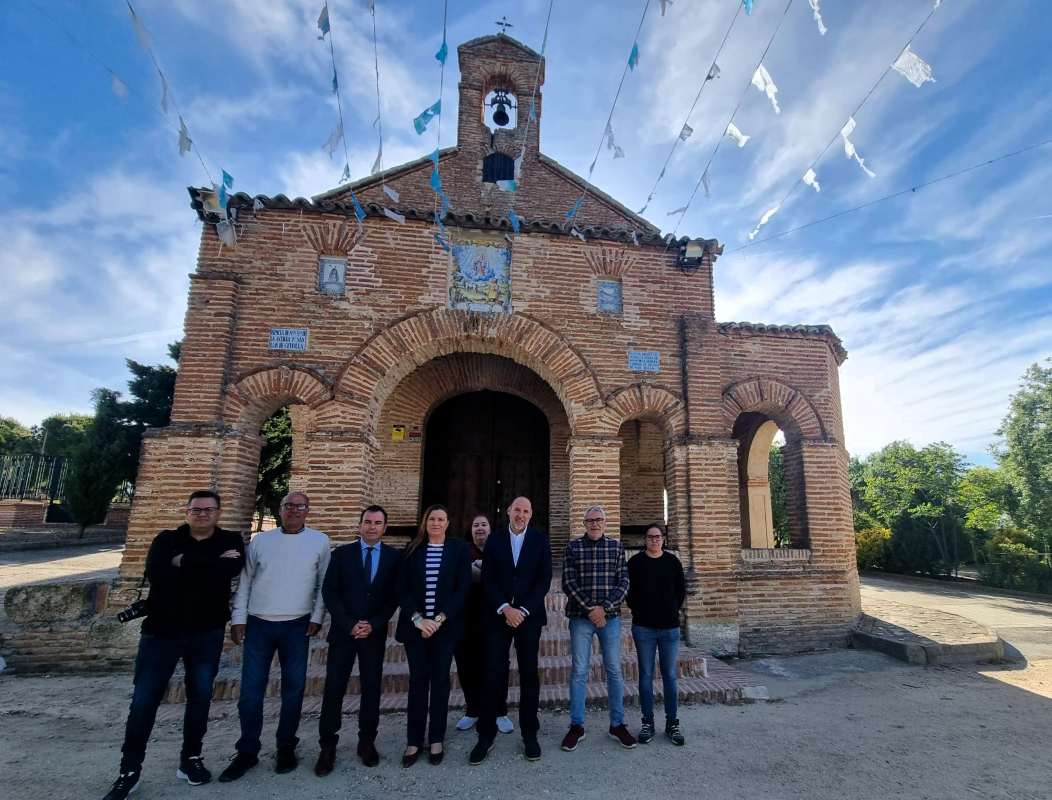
(467, 723)
(505, 725)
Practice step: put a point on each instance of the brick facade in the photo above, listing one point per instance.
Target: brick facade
(389, 349)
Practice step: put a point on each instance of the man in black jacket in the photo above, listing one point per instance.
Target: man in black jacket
(360, 591)
(516, 576)
(189, 570)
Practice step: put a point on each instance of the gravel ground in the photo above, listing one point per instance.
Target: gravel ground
(840, 725)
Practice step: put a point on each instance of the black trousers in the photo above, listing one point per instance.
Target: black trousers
(527, 639)
(342, 653)
(429, 663)
(471, 672)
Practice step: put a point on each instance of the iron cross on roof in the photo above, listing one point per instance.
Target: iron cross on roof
(504, 25)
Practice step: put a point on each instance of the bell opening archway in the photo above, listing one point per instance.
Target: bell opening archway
(483, 449)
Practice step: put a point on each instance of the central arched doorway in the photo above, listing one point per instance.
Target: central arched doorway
(483, 449)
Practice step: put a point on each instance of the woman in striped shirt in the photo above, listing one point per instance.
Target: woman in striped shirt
(433, 585)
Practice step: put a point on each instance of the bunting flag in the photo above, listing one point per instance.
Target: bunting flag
(533, 110)
(257, 206)
(164, 92)
(572, 213)
(222, 197)
(436, 180)
(399, 218)
(359, 212)
(675, 211)
(228, 180)
(739, 138)
(762, 80)
(378, 163)
(748, 7)
(442, 53)
(633, 57)
(508, 186)
(518, 163)
(119, 87)
(578, 234)
(424, 119)
(664, 6)
(763, 221)
(714, 72)
(913, 68)
(335, 83)
(334, 140)
(515, 220)
(610, 143)
(849, 147)
(434, 158)
(225, 231)
(811, 179)
(635, 238)
(817, 14)
(323, 21)
(184, 138)
(686, 132)
(346, 175)
(705, 181)
(140, 30)
(442, 241)
(390, 192)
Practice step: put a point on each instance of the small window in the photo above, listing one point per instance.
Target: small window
(608, 296)
(332, 275)
(498, 167)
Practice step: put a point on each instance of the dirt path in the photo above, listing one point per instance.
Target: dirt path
(841, 725)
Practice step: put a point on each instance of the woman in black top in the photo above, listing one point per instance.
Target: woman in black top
(470, 653)
(433, 586)
(656, 592)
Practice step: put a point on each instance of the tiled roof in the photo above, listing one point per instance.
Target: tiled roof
(244, 203)
(820, 331)
(381, 176)
(498, 38)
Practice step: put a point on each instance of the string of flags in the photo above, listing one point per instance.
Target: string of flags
(442, 204)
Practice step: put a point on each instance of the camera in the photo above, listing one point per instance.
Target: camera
(134, 611)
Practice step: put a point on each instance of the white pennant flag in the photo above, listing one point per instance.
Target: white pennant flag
(578, 234)
(119, 87)
(739, 138)
(818, 17)
(379, 160)
(399, 218)
(763, 221)
(618, 152)
(140, 30)
(334, 140)
(225, 231)
(762, 80)
(686, 132)
(346, 176)
(913, 68)
(164, 92)
(184, 138)
(679, 210)
(811, 179)
(705, 181)
(610, 144)
(714, 72)
(257, 206)
(664, 5)
(849, 147)
(391, 193)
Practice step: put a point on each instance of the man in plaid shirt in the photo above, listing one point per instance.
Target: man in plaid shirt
(595, 582)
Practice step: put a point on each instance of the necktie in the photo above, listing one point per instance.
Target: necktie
(368, 565)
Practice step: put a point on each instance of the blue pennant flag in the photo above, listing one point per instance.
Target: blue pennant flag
(434, 158)
(335, 83)
(228, 180)
(748, 7)
(633, 57)
(443, 51)
(428, 114)
(436, 181)
(576, 207)
(323, 21)
(359, 212)
(508, 186)
(445, 207)
(442, 242)
(533, 110)
(514, 219)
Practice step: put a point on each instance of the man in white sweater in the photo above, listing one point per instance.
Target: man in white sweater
(277, 608)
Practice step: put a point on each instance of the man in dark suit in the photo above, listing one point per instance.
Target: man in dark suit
(516, 576)
(360, 592)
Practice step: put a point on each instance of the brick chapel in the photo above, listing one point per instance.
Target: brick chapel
(576, 370)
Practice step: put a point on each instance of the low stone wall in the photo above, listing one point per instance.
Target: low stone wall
(21, 513)
(42, 538)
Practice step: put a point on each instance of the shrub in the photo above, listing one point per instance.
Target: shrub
(871, 547)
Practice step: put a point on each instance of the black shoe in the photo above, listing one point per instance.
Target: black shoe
(646, 733)
(367, 753)
(285, 760)
(408, 759)
(126, 783)
(238, 766)
(532, 749)
(673, 733)
(436, 758)
(326, 762)
(192, 770)
(480, 751)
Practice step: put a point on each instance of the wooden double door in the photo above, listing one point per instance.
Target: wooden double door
(481, 451)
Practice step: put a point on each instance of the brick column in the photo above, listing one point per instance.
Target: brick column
(339, 476)
(827, 496)
(796, 501)
(301, 418)
(711, 555)
(595, 480)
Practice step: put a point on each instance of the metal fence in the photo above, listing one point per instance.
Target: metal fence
(32, 477)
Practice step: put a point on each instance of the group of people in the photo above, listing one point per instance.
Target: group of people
(469, 599)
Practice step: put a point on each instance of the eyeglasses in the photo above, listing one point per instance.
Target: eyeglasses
(294, 506)
(654, 536)
(202, 512)
(594, 520)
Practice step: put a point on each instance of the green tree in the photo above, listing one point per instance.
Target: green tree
(1026, 451)
(15, 438)
(275, 462)
(779, 508)
(152, 389)
(99, 462)
(60, 434)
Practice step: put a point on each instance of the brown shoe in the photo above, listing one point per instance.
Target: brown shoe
(573, 737)
(326, 762)
(624, 738)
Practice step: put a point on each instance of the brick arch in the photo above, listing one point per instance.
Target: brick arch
(786, 405)
(372, 373)
(259, 393)
(643, 400)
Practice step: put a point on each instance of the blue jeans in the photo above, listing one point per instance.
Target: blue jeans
(581, 632)
(262, 639)
(651, 642)
(154, 665)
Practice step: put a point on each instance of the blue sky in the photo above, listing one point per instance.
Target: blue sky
(942, 297)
